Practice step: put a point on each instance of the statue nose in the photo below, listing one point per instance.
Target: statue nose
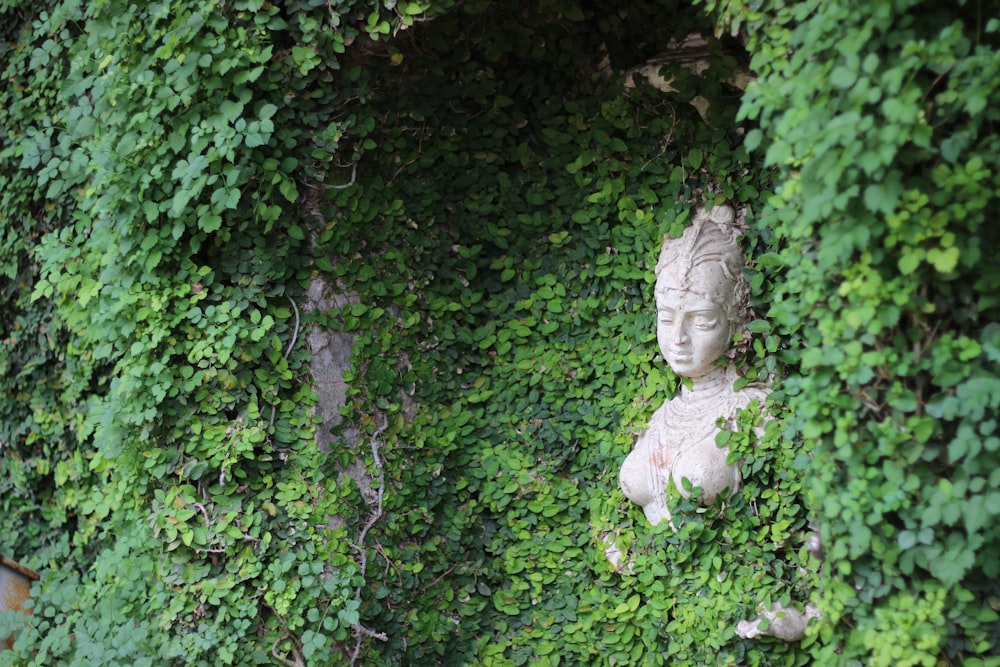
(681, 333)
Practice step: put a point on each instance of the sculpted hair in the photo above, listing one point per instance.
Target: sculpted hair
(708, 243)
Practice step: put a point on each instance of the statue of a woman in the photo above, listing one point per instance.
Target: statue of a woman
(701, 301)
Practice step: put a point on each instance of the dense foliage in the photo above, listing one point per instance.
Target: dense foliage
(501, 236)
(883, 126)
(159, 461)
(491, 190)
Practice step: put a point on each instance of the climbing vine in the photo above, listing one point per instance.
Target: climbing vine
(883, 131)
(500, 236)
(157, 407)
(489, 184)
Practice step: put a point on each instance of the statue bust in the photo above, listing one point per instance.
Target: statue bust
(701, 301)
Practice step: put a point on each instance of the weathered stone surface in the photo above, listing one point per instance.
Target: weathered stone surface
(331, 356)
(15, 590)
(694, 54)
(701, 299)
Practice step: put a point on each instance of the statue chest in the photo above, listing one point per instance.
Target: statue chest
(680, 444)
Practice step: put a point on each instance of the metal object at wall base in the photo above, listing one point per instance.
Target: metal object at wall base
(15, 589)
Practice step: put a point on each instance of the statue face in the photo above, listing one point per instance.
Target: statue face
(692, 332)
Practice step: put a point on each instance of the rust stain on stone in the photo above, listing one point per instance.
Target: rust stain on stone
(15, 588)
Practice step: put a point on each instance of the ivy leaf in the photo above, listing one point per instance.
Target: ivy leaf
(694, 158)
(943, 259)
(877, 199)
(349, 617)
(952, 566)
(210, 223)
(911, 259)
(907, 539)
(954, 146)
(843, 77)
(289, 190)
(267, 111)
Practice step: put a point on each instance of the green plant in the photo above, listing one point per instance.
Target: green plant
(157, 412)
(882, 132)
(501, 245)
(491, 187)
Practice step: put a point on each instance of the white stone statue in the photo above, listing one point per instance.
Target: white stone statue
(786, 623)
(701, 301)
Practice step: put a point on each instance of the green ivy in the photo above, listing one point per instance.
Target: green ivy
(881, 126)
(157, 431)
(491, 187)
(501, 235)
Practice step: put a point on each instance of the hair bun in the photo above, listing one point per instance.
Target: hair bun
(723, 215)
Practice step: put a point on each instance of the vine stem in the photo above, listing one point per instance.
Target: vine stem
(360, 630)
(342, 186)
(295, 331)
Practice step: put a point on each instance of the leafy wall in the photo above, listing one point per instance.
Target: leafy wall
(510, 211)
(883, 133)
(174, 176)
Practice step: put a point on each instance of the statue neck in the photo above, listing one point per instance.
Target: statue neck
(717, 381)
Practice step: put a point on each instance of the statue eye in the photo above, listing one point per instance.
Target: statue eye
(667, 316)
(706, 322)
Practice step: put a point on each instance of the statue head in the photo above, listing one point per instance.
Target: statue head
(701, 294)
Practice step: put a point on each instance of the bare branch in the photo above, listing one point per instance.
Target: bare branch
(360, 630)
(297, 662)
(342, 186)
(204, 513)
(295, 332)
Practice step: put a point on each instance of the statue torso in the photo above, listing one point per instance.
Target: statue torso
(680, 443)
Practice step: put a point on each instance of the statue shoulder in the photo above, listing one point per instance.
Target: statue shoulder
(749, 394)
